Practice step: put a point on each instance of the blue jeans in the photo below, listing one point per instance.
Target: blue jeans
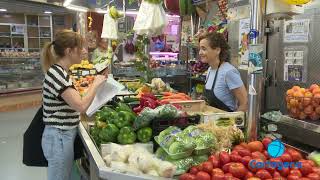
(57, 147)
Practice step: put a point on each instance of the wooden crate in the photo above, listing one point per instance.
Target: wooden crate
(197, 107)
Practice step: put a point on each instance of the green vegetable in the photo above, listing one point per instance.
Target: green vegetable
(130, 99)
(100, 124)
(123, 107)
(315, 156)
(144, 134)
(161, 154)
(124, 119)
(95, 131)
(167, 136)
(199, 159)
(144, 118)
(126, 136)
(167, 111)
(107, 115)
(109, 133)
(183, 165)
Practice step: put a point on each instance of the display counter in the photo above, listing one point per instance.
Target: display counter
(98, 168)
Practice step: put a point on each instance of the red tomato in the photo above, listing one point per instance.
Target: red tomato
(255, 146)
(235, 152)
(248, 175)
(193, 170)
(199, 167)
(279, 178)
(228, 175)
(218, 176)
(245, 160)
(244, 152)
(187, 176)
(238, 170)
(270, 166)
(203, 176)
(238, 147)
(258, 155)
(235, 158)
(224, 158)
(255, 165)
(284, 172)
(295, 172)
(226, 167)
(306, 168)
(316, 170)
(293, 177)
(253, 178)
(244, 145)
(266, 154)
(311, 163)
(286, 157)
(263, 174)
(207, 167)
(276, 174)
(295, 155)
(215, 163)
(313, 176)
(266, 141)
(304, 178)
(217, 171)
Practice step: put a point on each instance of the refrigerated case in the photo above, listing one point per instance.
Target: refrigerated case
(293, 59)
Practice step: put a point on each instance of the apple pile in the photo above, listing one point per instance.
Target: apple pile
(304, 103)
(236, 165)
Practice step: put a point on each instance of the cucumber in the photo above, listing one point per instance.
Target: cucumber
(130, 99)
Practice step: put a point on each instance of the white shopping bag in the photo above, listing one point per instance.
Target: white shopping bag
(105, 93)
(110, 27)
(151, 19)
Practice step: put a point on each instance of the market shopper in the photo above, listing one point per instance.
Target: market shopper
(101, 50)
(62, 104)
(224, 87)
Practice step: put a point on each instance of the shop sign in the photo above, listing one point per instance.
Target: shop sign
(253, 34)
(296, 30)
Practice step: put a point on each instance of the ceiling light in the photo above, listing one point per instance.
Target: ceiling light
(47, 12)
(3, 10)
(77, 8)
(67, 3)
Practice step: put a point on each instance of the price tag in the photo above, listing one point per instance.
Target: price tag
(93, 72)
(85, 73)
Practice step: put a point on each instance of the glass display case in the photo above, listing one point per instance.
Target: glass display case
(18, 74)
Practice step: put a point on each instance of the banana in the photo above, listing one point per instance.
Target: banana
(113, 12)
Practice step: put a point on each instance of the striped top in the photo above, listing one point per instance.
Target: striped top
(56, 112)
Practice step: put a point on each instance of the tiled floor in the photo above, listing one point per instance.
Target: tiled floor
(12, 127)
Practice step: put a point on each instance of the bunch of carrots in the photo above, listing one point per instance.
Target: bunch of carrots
(169, 97)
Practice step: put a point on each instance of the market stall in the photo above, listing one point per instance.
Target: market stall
(158, 131)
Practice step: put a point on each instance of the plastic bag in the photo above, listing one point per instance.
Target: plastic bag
(110, 27)
(151, 19)
(144, 118)
(183, 165)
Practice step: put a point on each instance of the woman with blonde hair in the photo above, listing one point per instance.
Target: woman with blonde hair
(62, 104)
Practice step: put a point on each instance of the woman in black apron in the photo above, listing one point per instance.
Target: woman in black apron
(214, 50)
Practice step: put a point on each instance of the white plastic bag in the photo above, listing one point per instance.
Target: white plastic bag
(110, 27)
(151, 19)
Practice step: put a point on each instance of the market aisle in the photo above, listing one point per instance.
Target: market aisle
(13, 125)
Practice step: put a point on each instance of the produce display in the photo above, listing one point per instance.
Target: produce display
(199, 67)
(12, 54)
(304, 103)
(115, 124)
(138, 161)
(169, 97)
(82, 75)
(251, 161)
(157, 86)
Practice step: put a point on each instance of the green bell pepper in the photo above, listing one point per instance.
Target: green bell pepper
(95, 131)
(100, 124)
(107, 115)
(123, 107)
(109, 133)
(125, 119)
(144, 134)
(127, 135)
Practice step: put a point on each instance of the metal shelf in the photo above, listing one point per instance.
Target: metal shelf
(305, 124)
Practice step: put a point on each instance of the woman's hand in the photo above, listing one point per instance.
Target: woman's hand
(98, 80)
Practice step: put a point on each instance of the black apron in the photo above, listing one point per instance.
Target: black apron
(212, 98)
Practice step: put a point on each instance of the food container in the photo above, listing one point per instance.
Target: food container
(177, 155)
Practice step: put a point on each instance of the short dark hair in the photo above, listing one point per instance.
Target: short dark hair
(217, 40)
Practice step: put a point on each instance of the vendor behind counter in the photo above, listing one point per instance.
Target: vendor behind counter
(101, 50)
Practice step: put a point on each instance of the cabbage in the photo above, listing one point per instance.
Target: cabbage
(161, 154)
(168, 136)
(199, 159)
(183, 165)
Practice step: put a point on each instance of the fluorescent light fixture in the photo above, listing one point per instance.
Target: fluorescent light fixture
(100, 11)
(164, 53)
(3, 10)
(67, 3)
(47, 12)
(136, 13)
(77, 8)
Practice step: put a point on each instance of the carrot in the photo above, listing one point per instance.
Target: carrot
(167, 93)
